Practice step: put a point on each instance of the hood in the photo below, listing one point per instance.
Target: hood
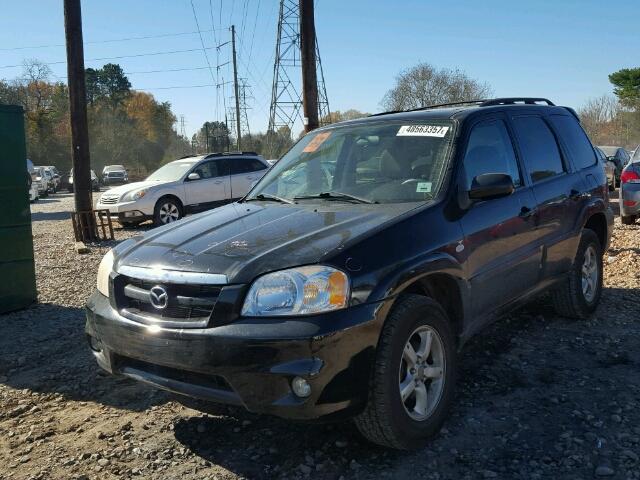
(130, 187)
(244, 240)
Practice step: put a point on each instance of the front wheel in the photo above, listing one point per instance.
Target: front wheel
(167, 210)
(413, 379)
(578, 295)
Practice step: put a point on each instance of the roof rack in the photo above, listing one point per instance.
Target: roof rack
(428, 107)
(513, 100)
(217, 154)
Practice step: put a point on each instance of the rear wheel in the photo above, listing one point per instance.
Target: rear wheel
(578, 295)
(167, 210)
(130, 224)
(412, 383)
(628, 220)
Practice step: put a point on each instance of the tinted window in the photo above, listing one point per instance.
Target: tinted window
(575, 139)
(490, 151)
(207, 170)
(539, 148)
(245, 165)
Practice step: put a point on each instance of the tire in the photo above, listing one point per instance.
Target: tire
(628, 220)
(570, 298)
(387, 420)
(167, 210)
(612, 187)
(130, 224)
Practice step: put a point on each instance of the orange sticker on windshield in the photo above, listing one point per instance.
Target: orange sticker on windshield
(316, 141)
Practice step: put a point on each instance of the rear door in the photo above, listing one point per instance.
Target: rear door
(502, 260)
(211, 189)
(244, 173)
(557, 191)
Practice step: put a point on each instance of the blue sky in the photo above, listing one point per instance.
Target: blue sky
(562, 49)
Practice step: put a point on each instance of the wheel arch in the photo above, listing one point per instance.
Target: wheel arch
(597, 222)
(440, 278)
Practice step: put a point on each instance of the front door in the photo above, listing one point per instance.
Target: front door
(502, 260)
(211, 189)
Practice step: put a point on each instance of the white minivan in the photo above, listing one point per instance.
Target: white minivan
(190, 184)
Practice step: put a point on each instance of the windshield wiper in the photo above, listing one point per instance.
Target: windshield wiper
(266, 197)
(336, 196)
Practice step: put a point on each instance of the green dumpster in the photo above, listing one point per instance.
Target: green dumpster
(17, 269)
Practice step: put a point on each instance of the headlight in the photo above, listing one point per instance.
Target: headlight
(104, 270)
(135, 195)
(298, 291)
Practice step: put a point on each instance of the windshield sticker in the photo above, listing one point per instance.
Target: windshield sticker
(316, 141)
(423, 187)
(422, 131)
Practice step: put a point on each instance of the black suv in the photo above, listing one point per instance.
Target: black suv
(346, 281)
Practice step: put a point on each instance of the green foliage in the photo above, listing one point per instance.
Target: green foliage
(627, 86)
(125, 126)
(212, 137)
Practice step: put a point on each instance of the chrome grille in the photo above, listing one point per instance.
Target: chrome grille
(187, 305)
(107, 199)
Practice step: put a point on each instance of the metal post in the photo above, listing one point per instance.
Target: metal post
(235, 84)
(78, 109)
(308, 59)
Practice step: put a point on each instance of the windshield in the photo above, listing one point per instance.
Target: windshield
(170, 172)
(377, 163)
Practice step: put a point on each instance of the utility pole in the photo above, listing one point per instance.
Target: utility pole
(78, 106)
(206, 134)
(235, 84)
(308, 59)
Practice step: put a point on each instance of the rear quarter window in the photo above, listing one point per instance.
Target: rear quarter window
(575, 139)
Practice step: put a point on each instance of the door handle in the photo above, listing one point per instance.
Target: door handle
(218, 182)
(576, 195)
(249, 177)
(526, 212)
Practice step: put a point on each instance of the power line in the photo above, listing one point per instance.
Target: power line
(204, 50)
(151, 54)
(113, 40)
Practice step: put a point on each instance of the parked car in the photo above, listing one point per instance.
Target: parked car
(114, 175)
(630, 191)
(618, 156)
(353, 297)
(56, 177)
(95, 183)
(609, 169)
(42, 180)
(191, 184)
(33, 189)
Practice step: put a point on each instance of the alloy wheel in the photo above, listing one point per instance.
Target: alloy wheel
(589, 274)
(422, 373)
(169, 213)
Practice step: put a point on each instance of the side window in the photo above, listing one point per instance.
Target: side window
(575, 139)
(207, 170)
(255, 165)
(539, 148)
(244, 165)
(490, 150)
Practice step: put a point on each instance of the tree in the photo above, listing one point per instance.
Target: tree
(425, 85)
(212, 137)
(339, 116)
(627, 86)
(107, 84)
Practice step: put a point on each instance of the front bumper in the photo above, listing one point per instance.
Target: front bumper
(629, 199)
(127, 211)
(249, 362)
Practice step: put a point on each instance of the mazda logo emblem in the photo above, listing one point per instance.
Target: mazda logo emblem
(159, 297)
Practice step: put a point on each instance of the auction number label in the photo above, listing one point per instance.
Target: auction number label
(422, 131)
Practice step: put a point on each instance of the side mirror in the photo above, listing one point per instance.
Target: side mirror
(491, 185)
(193, 176)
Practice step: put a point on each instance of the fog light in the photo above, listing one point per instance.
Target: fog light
(95, 344)
(301, 387)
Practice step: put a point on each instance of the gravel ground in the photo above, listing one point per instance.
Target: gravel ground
(539, 396)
